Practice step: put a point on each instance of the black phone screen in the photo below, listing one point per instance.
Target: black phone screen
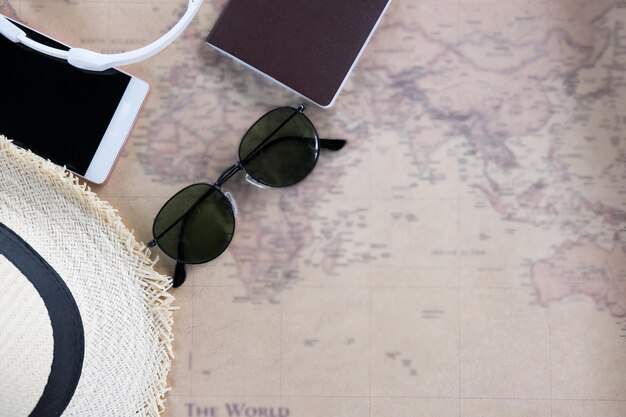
(52, 108)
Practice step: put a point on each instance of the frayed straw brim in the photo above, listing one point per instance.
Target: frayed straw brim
(124, 304)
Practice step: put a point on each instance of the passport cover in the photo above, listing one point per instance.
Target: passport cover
(310, 46)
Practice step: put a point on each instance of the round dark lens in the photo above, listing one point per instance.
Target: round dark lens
(196, 225)
(280, 149)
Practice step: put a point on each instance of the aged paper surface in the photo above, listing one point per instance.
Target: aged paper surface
(464, 255)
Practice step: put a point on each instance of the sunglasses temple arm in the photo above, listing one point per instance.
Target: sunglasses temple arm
(180, 272)
(332, 144)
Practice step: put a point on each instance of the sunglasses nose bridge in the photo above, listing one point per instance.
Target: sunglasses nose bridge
(226, 175)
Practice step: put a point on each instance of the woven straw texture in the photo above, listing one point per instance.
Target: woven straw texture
(27, 343)
(125, 305)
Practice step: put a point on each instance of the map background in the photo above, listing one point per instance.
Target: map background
(462, 256)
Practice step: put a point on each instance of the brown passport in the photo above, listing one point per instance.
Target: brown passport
(310, 46)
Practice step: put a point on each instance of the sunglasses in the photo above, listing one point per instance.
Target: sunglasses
(197, 224)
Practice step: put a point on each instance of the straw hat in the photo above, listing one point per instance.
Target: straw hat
(85, 321)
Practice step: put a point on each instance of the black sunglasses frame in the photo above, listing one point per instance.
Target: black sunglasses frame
(180, 273)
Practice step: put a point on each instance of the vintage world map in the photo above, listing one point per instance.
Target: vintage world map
(464, 255)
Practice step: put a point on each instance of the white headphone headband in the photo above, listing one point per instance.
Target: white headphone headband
(93, 61)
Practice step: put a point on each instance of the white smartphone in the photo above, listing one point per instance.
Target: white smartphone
(78, 119)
